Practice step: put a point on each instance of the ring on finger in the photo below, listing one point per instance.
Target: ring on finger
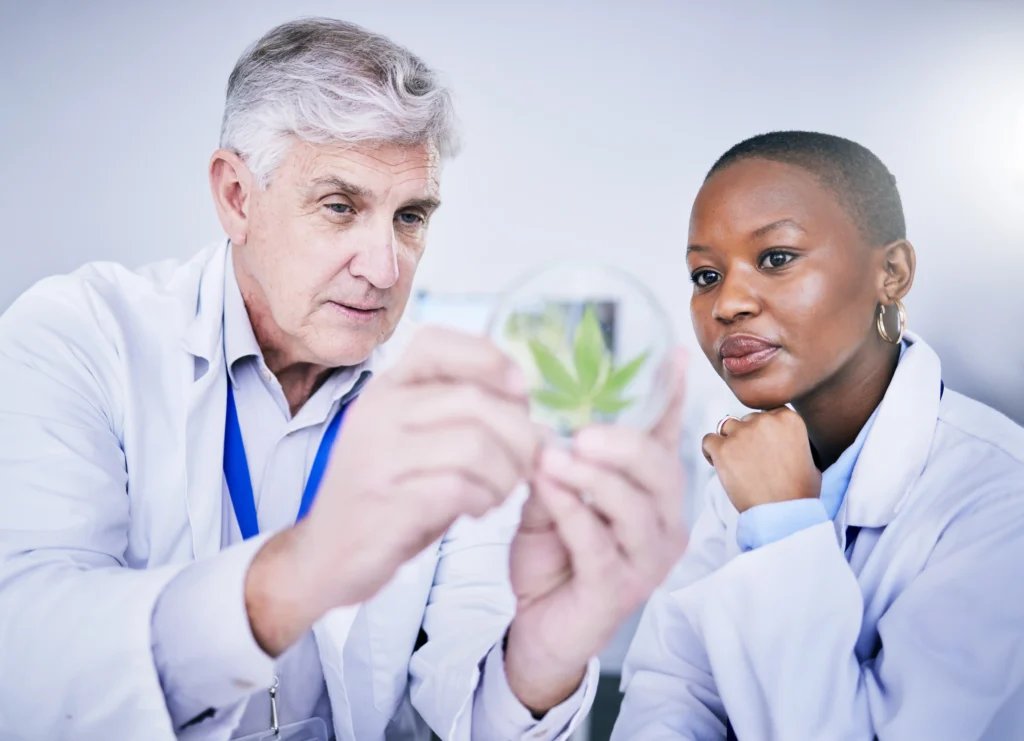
(721, 424)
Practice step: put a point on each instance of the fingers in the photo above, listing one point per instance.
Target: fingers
(589, 541)
(710, 445)
(534, 516)
(457, 494)
(652, 467)
(462, 451)
(648, 460)
(435, 406)
(668, 429)
(630, 513)
(437, 354)
(731, 427)
(712, 442)
(730, 424)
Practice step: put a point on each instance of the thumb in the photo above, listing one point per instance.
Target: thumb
(669, 428)
(535, 513)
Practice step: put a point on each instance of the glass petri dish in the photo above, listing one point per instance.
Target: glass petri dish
(593, 342)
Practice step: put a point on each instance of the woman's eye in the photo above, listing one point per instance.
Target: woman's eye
(339, 208)
(410, 218)
(705, 278)
(775, 259)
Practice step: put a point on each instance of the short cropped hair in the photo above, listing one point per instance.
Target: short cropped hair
(864, 186)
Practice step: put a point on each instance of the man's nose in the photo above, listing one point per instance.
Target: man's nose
(376, 260)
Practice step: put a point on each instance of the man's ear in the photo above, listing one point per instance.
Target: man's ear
(231, 183)
(897, 271)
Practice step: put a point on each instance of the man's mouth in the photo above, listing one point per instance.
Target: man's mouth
(356, 311)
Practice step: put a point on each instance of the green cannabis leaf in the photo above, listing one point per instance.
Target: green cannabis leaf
(589, 351)
(593, 384)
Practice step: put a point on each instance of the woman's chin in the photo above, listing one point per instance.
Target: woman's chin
(759, 394)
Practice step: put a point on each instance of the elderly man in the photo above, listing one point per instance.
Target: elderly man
(165, 432)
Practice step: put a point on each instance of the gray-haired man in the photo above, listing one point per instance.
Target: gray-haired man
(164, 433)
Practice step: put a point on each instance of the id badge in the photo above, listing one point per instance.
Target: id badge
(313, 729)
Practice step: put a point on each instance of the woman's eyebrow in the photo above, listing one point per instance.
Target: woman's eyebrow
(781, 223)
(696, 248)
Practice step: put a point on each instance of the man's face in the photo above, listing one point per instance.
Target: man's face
(332, 246)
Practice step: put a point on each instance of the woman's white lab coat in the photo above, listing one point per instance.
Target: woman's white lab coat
(918, 635)
(112, 400)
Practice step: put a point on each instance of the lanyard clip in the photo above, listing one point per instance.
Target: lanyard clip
(275, 726)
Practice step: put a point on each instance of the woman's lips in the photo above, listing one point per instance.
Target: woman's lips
(744, 354)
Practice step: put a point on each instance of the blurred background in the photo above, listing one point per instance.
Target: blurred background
(588, 129)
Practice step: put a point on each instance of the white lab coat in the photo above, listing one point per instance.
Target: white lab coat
(112, 399)
(920, 635)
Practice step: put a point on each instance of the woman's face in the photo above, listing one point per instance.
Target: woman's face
(785, 287)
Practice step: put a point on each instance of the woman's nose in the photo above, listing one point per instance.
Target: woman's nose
(736, 298)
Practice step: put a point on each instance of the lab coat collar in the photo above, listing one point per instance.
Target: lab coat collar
(898, 444)
(239, 339)
(199, 287)
(202, 286)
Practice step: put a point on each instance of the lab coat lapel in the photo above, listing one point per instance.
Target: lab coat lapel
(331, 633)
(205, 401)
(387, 616)
(375, 667)
(897, 447)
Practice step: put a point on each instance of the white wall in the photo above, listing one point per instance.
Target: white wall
(588, 129)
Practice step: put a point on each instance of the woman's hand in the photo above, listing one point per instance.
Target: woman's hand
(763, 458)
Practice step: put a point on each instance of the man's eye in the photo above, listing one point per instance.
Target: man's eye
(410, 218)
(339, 208)
(775, 259)
(704, 278)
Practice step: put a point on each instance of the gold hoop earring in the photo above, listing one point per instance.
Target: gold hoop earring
(901, 315)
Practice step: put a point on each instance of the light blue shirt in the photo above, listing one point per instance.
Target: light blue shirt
(767, 523)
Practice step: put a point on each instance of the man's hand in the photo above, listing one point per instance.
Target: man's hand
(763, 458)
(600, 531)
(445, 433)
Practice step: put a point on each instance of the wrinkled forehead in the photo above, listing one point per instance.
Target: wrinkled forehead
(379, 171)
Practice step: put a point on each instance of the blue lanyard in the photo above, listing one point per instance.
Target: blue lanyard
(236, 469)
